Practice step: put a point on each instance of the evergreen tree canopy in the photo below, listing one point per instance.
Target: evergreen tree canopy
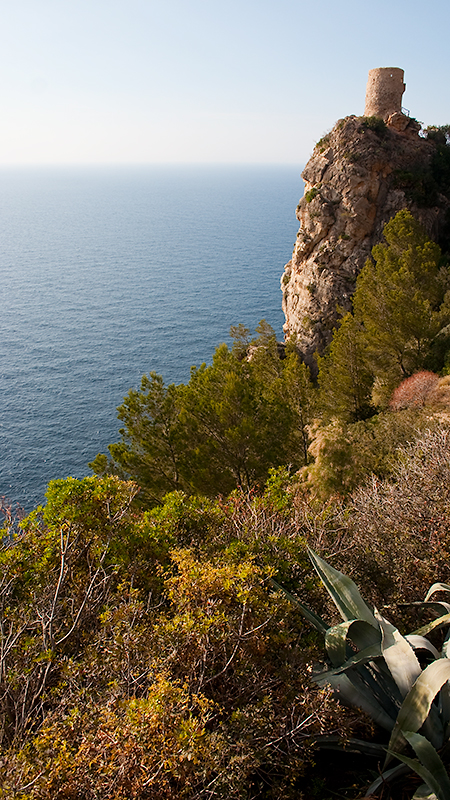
(345, 381)
(399, 299)
(233, 421)
(401, 305)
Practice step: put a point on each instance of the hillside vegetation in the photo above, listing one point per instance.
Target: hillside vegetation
(252, 410)
(152, 641)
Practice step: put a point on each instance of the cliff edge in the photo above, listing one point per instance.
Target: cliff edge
(359, 176)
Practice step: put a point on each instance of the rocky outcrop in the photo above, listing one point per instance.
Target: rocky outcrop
(358, 177)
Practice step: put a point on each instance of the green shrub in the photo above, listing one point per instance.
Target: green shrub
(376, 124)
(312, 193)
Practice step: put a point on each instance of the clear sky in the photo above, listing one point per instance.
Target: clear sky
(254, 81)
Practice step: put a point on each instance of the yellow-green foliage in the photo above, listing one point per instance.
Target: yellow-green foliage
(346, 454)
(147, 654)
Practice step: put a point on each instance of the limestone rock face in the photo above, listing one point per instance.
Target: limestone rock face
(355, 181)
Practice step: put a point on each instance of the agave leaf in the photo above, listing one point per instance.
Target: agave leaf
(429, 767)
(363, 685)
(390, 774)
(433, 728)
(437, 587)
(446, 646)
(336, 643)
(431, 760)
(423, 773)
(343, 591)
(364, 636)
(354, 692)
(420, 643)
(357, 659)
(311, 616)
(417, 703)
(350, 745)
(369, 674)
(440, 622)
(399, 656)
(439, 606)
(382, 685)
(444, 706)
(424, 793)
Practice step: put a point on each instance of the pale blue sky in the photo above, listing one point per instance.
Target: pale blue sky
(145, 81)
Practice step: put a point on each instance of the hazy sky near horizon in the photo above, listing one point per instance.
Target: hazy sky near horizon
(253, 81)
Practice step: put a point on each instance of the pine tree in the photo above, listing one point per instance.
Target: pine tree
(345, 381)
(400, 299)
(236, 419)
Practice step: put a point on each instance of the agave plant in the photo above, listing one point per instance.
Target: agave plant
(375, 668)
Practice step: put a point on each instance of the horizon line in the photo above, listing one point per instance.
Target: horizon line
(109, 164)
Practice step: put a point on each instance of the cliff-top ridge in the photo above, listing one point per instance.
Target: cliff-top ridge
(359, 176)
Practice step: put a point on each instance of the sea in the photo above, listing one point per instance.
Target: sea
(108, 273)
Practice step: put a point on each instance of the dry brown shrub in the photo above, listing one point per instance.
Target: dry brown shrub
(440, 395)
(398, 535)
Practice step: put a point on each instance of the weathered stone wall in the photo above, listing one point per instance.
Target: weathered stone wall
(384, 92)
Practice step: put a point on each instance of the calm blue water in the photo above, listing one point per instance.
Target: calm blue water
(110, 273)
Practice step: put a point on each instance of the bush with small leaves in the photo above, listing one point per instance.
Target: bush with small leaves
(414, 392)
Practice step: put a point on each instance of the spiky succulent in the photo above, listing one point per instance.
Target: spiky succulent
(375, 668)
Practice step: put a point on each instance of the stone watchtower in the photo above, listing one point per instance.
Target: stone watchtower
(384, 92)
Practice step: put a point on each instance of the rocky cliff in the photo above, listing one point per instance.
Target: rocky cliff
(358, 177)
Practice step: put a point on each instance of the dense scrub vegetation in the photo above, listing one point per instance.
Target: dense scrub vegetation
(225, 428)
(254, 409)
(147, 649)
(148, 654)
(426, 185)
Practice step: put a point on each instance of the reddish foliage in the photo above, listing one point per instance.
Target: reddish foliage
(414, 391)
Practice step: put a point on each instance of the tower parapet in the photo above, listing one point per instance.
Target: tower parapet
(384, 92)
